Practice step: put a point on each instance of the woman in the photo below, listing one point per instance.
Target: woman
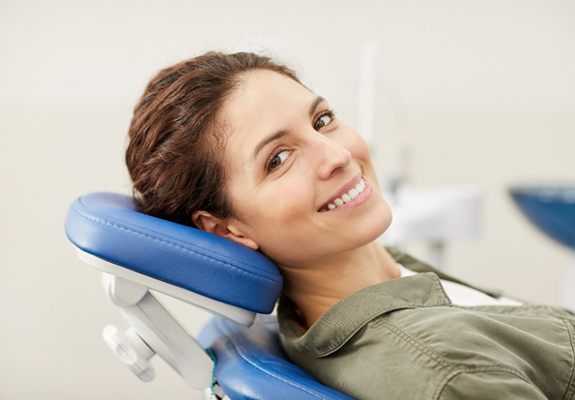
(235, 145)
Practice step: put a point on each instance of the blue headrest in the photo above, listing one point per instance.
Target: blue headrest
(107, 226)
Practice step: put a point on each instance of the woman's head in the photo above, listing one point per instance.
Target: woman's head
(283, 164)
(175, 137)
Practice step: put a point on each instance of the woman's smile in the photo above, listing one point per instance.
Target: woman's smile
(352, 194)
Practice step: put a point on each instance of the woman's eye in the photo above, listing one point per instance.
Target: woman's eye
(324, 120)
(278, 159)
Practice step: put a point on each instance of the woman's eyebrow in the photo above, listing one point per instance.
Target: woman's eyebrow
(283, 132)
(314, 105)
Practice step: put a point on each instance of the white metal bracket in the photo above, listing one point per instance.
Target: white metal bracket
(153, 330)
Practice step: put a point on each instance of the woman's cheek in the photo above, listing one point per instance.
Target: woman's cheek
(359, 145)
(290, 202)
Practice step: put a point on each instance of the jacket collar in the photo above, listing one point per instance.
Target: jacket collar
(338, 324)
(419, 266)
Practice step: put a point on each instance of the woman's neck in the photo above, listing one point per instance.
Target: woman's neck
(315, 288)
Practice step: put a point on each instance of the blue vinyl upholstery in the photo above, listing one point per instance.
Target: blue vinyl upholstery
(107, 226)
(251, 364)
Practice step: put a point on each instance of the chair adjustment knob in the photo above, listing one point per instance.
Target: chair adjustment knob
(129, 347)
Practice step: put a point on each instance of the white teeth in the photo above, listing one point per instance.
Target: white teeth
(349, 196)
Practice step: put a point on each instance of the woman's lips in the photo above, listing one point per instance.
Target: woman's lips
(351, 193)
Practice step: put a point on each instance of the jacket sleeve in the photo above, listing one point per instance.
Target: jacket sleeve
(490, 385)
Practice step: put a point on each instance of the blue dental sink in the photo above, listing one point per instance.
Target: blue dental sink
(549, 208)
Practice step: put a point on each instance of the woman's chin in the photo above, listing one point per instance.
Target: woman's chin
(379, 221)
(366, 229)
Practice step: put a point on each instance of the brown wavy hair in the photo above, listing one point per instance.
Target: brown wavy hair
(176, 138)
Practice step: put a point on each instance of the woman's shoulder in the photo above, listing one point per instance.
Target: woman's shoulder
(373, 337)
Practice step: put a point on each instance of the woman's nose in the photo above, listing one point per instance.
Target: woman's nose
(332, 157)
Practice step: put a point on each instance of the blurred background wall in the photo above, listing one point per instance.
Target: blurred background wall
(480, 92)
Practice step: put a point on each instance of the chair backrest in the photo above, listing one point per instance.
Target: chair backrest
(250, 363)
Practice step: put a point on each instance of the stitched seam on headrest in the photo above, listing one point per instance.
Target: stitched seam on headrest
(104, 222)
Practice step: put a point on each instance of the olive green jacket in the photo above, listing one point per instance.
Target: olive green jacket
(403, 339)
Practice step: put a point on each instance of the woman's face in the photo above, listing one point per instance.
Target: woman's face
(301, 182)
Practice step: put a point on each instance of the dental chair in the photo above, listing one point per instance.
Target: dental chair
(237, 354)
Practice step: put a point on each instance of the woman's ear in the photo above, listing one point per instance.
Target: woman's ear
(221, 227)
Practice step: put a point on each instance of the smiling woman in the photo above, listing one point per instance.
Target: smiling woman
(235, 145)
